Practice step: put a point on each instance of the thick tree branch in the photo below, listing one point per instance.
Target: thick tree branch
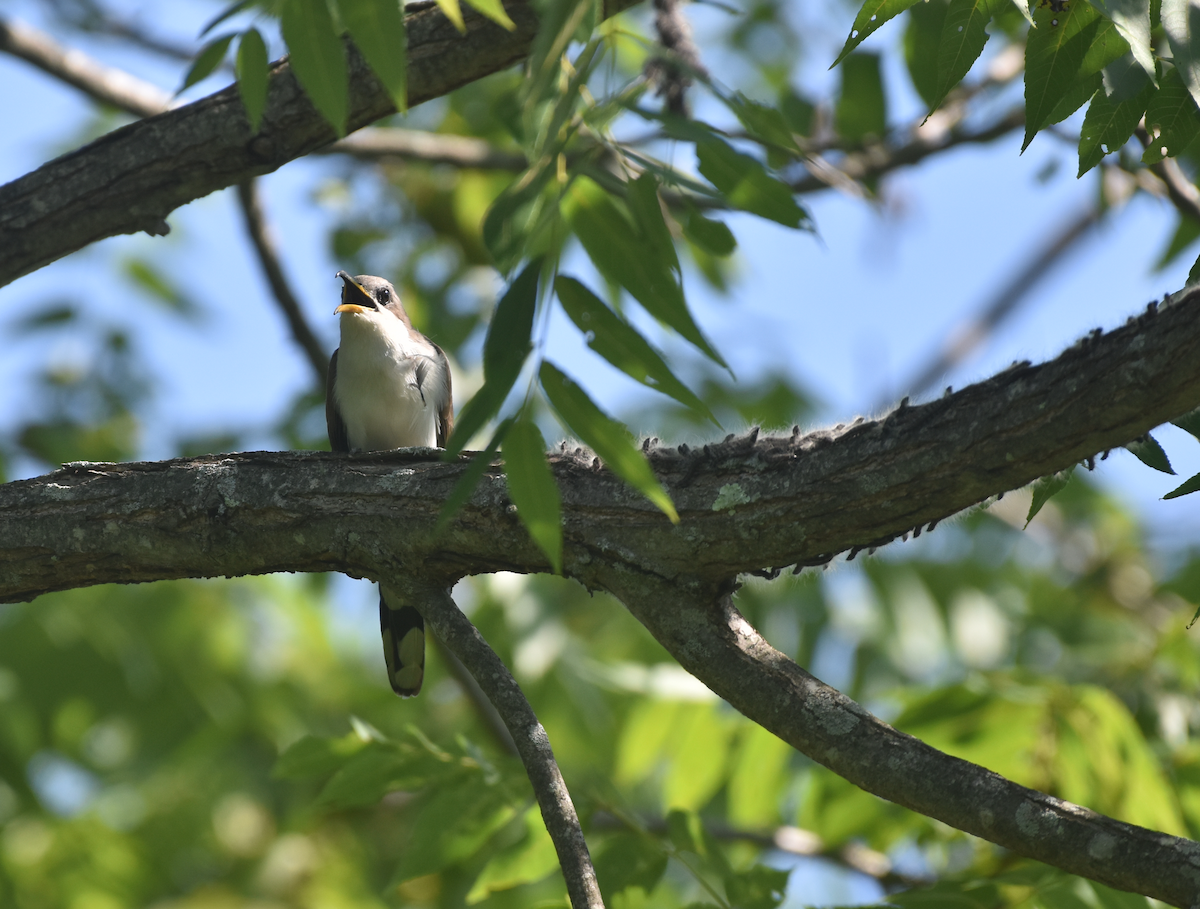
(747, 503)
(132, 178)
(462, 639)
(700, 626)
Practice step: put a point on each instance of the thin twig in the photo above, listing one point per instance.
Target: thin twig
(103, 83)
(463, 640)
(479, 700)
(976, 329)
(264, 245)
(372, 144)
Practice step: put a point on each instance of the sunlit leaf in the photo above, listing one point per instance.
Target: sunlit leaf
(745, 184)
(621, 344)
(1172, 119)
(1109, 122)
(1132, 19)
(494, 10)
(532, 488)
(377, 28)
(1046, 488)
(207, 60)
(317, 58)
(452, 11)
(1150, 453)
(874, 13)
(252, 65)
(1181, 22)
(608, 438)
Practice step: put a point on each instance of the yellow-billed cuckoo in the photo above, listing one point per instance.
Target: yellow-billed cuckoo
(388, 387)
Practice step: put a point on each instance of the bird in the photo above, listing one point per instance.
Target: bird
(388, 387)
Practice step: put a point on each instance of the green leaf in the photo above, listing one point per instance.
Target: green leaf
(532, 488)
(1109, 122)
(513, 220)
(232, 10)
(509, 336)
(471, 476)
(1172, 119)
(1181, 22)
(766, 124)
(746, 185)
(452, 11)
(712, 236)
(608, 438)
(160, 287)
(252, 67)
(376, 769)
(1044, 488)
(1186, 488)
(1132, 19)
(494, 10)
(1187, 232)
(313, 756)
(626, 256)
(1117, 899)
(873, 15)
(1149, 452)
(1023, 8)
(628, 860)
(1063, 56)
(964, 35)
(1194, 273)
(1189, 422)
(527, 861)
(642, 200)
(621, 344)
(922, 40)
(861, 111)
(377, 27)
(318, 58)
(207, 60)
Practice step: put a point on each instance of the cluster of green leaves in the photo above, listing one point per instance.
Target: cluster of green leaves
(1125, 60)
(220, 763)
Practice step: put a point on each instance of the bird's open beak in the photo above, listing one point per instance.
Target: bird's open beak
(354, 298)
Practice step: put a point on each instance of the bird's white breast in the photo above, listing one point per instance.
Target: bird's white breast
(376, 384)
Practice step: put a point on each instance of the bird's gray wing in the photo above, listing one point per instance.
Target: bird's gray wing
(334, 425)
(446, 412)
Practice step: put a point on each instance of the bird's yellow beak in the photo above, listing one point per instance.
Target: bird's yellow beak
(354, 297)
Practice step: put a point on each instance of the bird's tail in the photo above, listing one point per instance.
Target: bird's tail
(403, 631)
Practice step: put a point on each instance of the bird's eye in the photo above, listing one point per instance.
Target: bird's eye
(384, 294)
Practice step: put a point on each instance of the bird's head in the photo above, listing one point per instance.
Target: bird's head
(366, 296)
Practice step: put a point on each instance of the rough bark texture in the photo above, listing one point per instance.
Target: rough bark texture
(130, 179)
(746, 504)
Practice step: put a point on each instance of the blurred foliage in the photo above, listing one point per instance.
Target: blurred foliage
(230, 744)
(235, 742)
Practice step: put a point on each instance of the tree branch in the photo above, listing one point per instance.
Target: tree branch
(462, 639)
(382, 143)
(700, 626)
(264, 245)
(132, 178)
(746, 503)
(107, 85)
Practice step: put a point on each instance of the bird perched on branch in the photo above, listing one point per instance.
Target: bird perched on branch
(388, 387)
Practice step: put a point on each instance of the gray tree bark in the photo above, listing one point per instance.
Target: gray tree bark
(746, 504)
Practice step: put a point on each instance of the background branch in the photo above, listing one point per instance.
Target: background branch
(268, 257)
(462, 639)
